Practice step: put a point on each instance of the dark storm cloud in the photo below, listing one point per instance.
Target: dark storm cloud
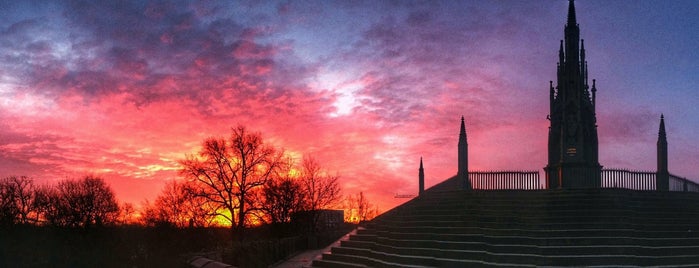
(134, 47)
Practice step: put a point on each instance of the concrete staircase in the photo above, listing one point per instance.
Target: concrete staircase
(587, 227)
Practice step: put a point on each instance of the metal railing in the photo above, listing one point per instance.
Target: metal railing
(682, 184)
(610, 178)
(622, 178)
(505, 180)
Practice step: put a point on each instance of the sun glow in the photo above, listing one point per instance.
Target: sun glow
(222, 219)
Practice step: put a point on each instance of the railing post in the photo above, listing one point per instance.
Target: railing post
(491, 183)
(488, 179)
(508, 180)
(603, 178)
(662, 180)
(499, 179)
(481, 184)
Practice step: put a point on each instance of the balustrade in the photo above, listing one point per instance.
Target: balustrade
(505, 180)
(682, 184)
(622, 178)
(610, 178)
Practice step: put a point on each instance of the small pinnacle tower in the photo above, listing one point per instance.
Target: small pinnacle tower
(463, 156)
(663, 173)
(421, 178)
(573, 145)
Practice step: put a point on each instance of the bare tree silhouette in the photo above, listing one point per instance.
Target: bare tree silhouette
(80, 203)
(127, 213)
(358, 208)
(321, 190)
(283, 196)
(16, 200)
(227, 173)
(177, 205)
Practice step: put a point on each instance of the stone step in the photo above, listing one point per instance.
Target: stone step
(690, 228)
(535, 232)
(375, 259)
(536, 211)
(492, 208)
(554, 206)
(562, 194)
(464, 241)
(328, 263)
(598, 217)
(583, 227)
(543, 225)
(543, 212)
(531, 198)
(441, 258)
(456, 250)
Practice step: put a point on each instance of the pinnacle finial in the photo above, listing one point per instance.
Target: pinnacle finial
(661, 131)
(462, 133)
(421, 178)
(571, 13)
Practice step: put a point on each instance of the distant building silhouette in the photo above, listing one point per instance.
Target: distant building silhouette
(324, 219)
(573, 145)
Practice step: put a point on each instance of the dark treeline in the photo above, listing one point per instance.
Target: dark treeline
(236, 196)
(106, 246)
(237, 181)
(70, 203)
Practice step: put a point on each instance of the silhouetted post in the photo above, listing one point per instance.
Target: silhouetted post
(463, 157)
(663, 177)
(421, 178)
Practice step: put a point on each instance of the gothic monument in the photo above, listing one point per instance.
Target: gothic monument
(573, 149)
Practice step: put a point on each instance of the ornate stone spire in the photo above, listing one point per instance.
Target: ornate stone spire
(571, 13)
(572, 40)
(573, 145)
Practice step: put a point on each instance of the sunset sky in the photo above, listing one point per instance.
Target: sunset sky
(125, 90)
